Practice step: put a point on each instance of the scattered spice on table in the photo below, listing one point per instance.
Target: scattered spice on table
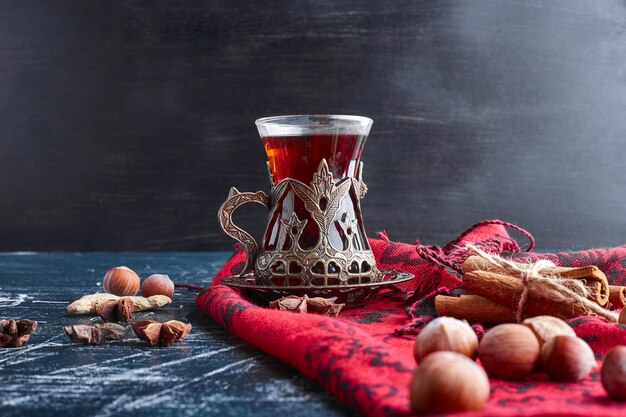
(96, 334)
(15, 333)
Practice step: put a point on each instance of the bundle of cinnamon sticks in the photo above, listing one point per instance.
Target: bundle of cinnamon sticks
(494, 293)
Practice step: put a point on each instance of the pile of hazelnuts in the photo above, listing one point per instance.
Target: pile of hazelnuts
(449, 380)
(123, 281)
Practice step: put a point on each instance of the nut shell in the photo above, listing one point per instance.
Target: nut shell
(547, 327)
(613, 373)
(567, 358)
(509, 351)
(446, 334)
(121, 281)
(448, 382)
(157, 284)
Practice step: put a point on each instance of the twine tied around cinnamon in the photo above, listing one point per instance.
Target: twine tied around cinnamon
(542, 275)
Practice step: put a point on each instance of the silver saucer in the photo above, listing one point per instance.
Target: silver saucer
(351, 295)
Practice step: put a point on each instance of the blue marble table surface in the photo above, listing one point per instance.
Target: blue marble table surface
(210, 373)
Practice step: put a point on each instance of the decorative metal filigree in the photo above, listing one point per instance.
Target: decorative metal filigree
(236, 199)
(288, 264)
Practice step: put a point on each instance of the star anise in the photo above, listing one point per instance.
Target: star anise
(14, 333)
(115, 311)
(96, 334)
(317, 305)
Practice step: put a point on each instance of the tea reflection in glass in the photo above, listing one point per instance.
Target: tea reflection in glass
(298, 157)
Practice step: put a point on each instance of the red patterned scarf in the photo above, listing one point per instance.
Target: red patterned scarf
(364, 356)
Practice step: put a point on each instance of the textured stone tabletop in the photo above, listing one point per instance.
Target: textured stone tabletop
(209, 373)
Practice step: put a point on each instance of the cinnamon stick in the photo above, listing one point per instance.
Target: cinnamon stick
(594, 278)
(595, 281)
(473, 308)
(617, 296)
(506, 290)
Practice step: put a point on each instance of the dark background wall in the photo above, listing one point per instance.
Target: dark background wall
(123, 124)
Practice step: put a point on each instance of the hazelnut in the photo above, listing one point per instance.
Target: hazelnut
(446, 334)
(157, 284)
(613, 372)
(567, 358)
(622, 316)
(121, 281)
(547, 327)
(448, 382)
(509, 351)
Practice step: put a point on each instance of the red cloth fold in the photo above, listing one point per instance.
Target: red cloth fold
(364, 356)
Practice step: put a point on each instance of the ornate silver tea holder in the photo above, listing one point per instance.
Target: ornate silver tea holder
(285, 266)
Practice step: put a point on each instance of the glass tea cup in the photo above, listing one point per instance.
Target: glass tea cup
(315, 234)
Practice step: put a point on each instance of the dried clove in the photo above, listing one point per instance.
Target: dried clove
(96, 334)
(114, 311)
(316, 305)
(15, 333)
(165, 334)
